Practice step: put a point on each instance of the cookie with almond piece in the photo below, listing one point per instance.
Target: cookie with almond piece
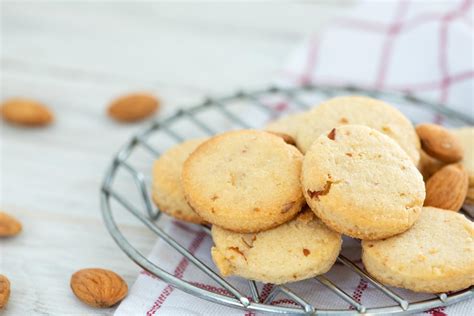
(359, 110)
(167, 191)
(287, 126)
(361, 183)
(436, 255)
(244, 181)
(299, 249)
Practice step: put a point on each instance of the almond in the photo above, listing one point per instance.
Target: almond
(4, 291)
(447, 188)
(98, 287)
(429, 165)
(440, 143)
(133, 107)
(9, 226)
(26, 112)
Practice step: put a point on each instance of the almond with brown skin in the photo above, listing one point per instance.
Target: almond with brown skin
(440, 143)
(133, 107)
(98, 287)
(4, 291)
(9, 226)
(429, 165)
(26, 112)
(447, 188)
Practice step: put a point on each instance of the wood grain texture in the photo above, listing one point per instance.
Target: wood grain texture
(77, 57)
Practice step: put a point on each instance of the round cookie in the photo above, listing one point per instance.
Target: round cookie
(299, 249)
(359, 110)
(436, 255)
(466, 137)
(287, 125)
(361, 183)
(244, 181)
(167, 192)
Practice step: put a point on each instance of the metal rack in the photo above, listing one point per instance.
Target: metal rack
(234, 112)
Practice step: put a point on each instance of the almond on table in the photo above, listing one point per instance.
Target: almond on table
(4, 291)
(9, 226)
(133, 107)
(26, 112)
(98, 287)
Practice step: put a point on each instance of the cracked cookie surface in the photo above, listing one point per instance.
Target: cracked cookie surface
(436, 255)
(361, 183)
(299, 249)
(244, 181)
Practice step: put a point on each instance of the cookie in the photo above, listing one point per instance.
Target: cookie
(361, 183)
(244, 181)
(167, 192)
(287, 126)
(436, 255)
(359, 110)
(299, 249)
(466, 137)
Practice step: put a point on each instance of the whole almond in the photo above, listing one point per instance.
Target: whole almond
(98, 287)
(447, 188)
(440, 143)
(4, 291)
(9, 226)
(429, 165)
(133, 107)
(26, 112)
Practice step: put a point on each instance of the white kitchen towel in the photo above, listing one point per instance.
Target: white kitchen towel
(425, 48)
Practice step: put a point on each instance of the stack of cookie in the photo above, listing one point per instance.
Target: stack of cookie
(279, 200)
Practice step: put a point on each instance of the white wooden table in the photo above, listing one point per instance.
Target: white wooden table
(77, 57)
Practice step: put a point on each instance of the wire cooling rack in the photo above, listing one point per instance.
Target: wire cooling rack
(250, 109)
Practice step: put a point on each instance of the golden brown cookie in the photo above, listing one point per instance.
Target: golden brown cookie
(359, 110)
(361, 183)
(299, 249)
(435, 255)
(287, 126)
(167, 191)
(244, 181)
